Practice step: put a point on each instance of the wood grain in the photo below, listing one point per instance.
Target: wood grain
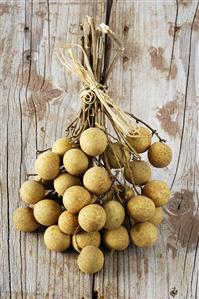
(157, 78)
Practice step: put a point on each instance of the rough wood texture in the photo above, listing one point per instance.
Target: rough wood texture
(158, 79)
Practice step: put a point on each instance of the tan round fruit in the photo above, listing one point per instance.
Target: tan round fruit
(75, 198)
(55, 239)
(138, 171)
(144, 234)
(24, 220)
(47, 212)
(31, 192)
(141, 143)
(68, 222)
(157, 217)
(116, 239)
(92, 218)
(64, 181)
(83, 239)
(97, 180)
(115, 214)
(62, 145)
(90, 259)
(75, 161)
(117, 155)
(93, 142)
(47, 165)
(158, 191)
(159, 154)
(141, 208)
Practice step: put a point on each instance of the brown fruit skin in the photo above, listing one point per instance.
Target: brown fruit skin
(93, 142)
(68, 222)
(75, 161)
(116, 239)
(158, 191)
(92, 218)
(139, 171)
(141, 208)
(83, 239)
(141, 143)
(31, 192)
(55, 239)
(47, 212)
(62, 145)
(97, 180)
(47, 165)
(144, 234)
(159, 154)
(75, 198)
(24, 220)
(90, 259)
(157, 217)
(115, 214)
(64, 181)
(116, 155)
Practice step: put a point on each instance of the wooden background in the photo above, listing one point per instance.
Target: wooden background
(158, 79)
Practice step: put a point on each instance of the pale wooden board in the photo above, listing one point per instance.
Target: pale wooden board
(33, 118)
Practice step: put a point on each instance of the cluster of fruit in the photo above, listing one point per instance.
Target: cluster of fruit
(79, 198)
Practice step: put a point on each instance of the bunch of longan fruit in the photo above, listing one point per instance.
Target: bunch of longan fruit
(77, 195)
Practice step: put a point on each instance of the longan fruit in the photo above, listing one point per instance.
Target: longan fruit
(75, 161)
(144, 234)
(75, 198)
(47, 212)
(115, 214)
(68, 222)
(62, 145)
(116, 239)
(31, 192)
(47, 165)
(157, 217)
(64, 181)
(138, 171)
(141, 208)
(92, 218)
(83, 239)
(117, 155)
(97, 180)
(90, 259)
(93, 142)
(159, 154)
(24, 220)
(141, 143)
(55, 239)
(158, 191)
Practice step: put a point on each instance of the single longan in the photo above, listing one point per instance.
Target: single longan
(68, 222)
(116, 239)
(55, 239)
(75, 198)
(144, 234)
(92, 218)
(83, 239)
(157, 217)
(47, 212)
(62, 145)
(93, 141)
(24, 220)
(31, 192)
(64, 181)
(158, 191)
(141, 143)
(138, 171)
(97, 180)
(47, 165)
(117, 155)
(159, 154)
(75, 161)
(141, 208)
(115, 214)
(90, 259)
